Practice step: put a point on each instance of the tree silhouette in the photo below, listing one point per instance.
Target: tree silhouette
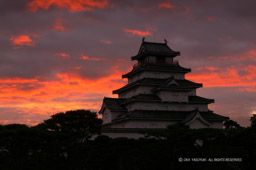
(253, 121)
(79, 124)
(230, 124)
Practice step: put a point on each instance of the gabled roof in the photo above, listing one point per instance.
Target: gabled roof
(211, 116)
(144, 81)
(193, 116)
(169, 68)
(185, 82)
(181, 82)
(157, 82)
(154, 98)
(113, 104)
(170, 84)
(156, 49)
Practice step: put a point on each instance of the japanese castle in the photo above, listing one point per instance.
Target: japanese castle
(157, 95)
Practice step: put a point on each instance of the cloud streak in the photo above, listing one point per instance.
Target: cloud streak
(166, 5)
(84, 57)
(70, 5)
(137, 32)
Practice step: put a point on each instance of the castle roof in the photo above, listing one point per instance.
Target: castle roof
(169, 68)
(183, 116)
(159, 82)
(114, 104)
(198, 99)
(155, 49)
(154, 98)
(117, 104)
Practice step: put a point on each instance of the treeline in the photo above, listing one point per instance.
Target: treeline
(63, 142)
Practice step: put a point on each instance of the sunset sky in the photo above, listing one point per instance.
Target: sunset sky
(59, 55)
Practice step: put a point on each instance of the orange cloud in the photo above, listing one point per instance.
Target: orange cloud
(63, 55)
(84, 57)
(228, 77)
(71, 5)
(211, 68)
(251, 70)
(76, 68)
(137, 32)
(22, 40)
(106, 42)
(34, 100)
(17, 80)
(166, 5)
(252, 52)
(208, 68)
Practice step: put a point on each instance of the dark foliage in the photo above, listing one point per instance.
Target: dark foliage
(63, 142)
(253, 121)
(230, 124)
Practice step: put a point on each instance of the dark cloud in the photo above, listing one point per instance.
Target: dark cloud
(231, 102)
(13, 6)
(203, 31)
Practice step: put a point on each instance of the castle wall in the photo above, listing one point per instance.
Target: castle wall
(217, 125)
(143, 124)
(152, 59)
(135, 91)
(192, 92)
(106, 116)
(132, 135)
(173, 96)
(169, 60)
(197, 124)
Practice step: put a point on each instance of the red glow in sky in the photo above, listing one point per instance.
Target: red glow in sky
(137, 32)
(59, 55)
(166, 5)
(22, 40)
(71, 5)
(64, 55)
(84, 57)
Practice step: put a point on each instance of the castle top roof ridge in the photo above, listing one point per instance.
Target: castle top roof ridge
(155, 48)
(143, 41)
